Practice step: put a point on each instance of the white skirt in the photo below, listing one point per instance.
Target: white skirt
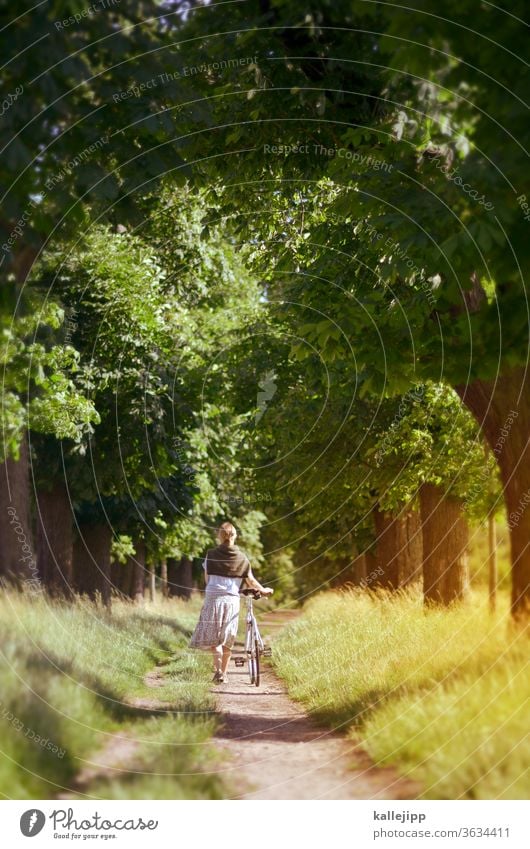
(218, 622)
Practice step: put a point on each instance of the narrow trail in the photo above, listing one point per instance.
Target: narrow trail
(271, 748)
(119, 754)
(275, 751)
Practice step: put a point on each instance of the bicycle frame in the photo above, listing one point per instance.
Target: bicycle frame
(253, 636)
(254, 646)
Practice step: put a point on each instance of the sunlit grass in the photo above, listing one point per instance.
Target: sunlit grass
(68, 675)
(441, 693)
(478, 553)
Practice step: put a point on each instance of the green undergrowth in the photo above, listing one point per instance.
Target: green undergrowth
(72, 675)
(442, 693)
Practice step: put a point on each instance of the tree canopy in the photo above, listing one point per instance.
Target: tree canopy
(267, 260)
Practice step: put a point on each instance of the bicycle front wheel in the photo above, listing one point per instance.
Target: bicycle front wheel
(256, 664)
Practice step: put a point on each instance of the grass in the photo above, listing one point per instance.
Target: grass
(478, 553)
(441, 694)
(64, 675)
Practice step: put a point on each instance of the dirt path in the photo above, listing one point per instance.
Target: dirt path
(275, 751)
(271, 747)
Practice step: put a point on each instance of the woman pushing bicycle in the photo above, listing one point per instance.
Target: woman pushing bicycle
(226, 567)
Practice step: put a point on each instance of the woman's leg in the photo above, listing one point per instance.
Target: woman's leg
(226, 659)
(217, 658)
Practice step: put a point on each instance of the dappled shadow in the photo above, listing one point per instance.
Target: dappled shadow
(354, 713)
(133, 784)
(145, 617)
(38, 710)
(49, 663)
(162, 643)
(255, 726)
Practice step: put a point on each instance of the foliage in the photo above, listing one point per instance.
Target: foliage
(434, 439)
(249, 526)
(402, 238)
(125, 344)
(40, 383)
(342, 456)
(371, 263)
(278, 571)
(122, 547)
(84, 132)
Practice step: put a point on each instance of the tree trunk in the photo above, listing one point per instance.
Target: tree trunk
(172, 576)
(387, 545)
(445, 540)
(492, 562)
(343, 573)
(151, 582)
(126, 582)
(138, 572)
(358, 569)
(371, 567)
(163, 578)
(116, 576)
(180, 577)
(414, 561)
(55, 539)
(399, 548)
(120, 574)
(92, 561)
(184, 578)
(502, 409)
(23, 260)
(17, 554)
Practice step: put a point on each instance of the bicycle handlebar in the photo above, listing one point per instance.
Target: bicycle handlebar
(255, 593)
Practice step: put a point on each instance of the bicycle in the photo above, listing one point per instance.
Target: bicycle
(254, 645)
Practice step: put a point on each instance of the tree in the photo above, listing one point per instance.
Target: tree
(417, 255)
(126, 349)
(348, 466)
(82, 128)
(166, 443)
(40, 391)
(443, 460)
(66, 156)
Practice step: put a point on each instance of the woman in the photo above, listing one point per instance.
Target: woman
(225, 568)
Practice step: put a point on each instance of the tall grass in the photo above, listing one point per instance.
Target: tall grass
(69, 678)
(478, 553)
(443, 694)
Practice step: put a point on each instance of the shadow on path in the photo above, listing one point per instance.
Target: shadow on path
(278, 752)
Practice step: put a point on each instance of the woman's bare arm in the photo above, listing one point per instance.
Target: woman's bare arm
(255, 584)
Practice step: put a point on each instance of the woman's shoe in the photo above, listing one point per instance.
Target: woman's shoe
(218, 678)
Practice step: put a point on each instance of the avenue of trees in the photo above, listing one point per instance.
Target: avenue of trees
(264, 261)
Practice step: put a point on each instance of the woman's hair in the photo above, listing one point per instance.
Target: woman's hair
(226, 532)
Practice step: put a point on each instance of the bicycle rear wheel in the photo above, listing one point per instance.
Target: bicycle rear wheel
(256, 675)
(250, 660)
